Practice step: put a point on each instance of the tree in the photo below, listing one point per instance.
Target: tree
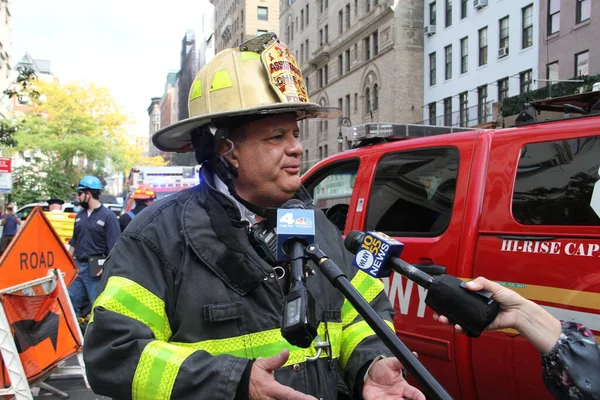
(71, 130)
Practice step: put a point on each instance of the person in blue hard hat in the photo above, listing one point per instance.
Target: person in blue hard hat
(95, 234)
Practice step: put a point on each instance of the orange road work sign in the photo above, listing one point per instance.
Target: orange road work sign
(35, 249)
(44, 329)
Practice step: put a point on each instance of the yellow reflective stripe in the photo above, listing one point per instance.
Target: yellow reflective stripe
(368, 287)
(157, 370)
(249, 55)
(353, 335)
(221, 80)
(126, 297)
(196, 90)
(267, 344)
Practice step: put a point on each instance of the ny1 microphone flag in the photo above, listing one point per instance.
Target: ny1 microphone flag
(373, 253)
(294, 224)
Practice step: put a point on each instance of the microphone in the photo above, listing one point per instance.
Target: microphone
(295, 230)
(377, 254)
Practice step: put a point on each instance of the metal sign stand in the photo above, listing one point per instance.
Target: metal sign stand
(20, 387)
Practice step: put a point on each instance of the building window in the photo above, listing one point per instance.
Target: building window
(301, 53)
(321, 6)
(325, 152)
(367, 43)
(464, 4)
(375, 43)
(355, 51)
(321, 37)
(326, 34)
(525, 79)
(582, 63)
(527, 13)
(448, 62)
(552, 72)
(307, 51)
(320, 152)
(483, 46)
(448, 13)
(307, 13)
(326, 74)
(553, 16)
(448, 111)
(583, 10)
(347, 108)
(340, 65)
(367, 5)
(464, 55)
(301, 19)
(463, 100)
(375, 97)
(341, 22)
(502, 89)
(355, 8)
(347, 55)
(355, 102)
(367, 100)
(263, 13)
(503, 39)
(432, 14)
(348, 16)
(481, 104)
(432, 114)
(432, 69)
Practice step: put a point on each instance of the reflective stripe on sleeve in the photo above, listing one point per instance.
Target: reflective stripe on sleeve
(353, 335)
(126, 297)
(368, 287)
(157, 370)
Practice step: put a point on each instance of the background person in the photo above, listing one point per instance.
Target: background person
(95, 234)
(570, 354)
(55, 205)
(143, 196)
(10, 224)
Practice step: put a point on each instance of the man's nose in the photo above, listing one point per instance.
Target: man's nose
(294, 147)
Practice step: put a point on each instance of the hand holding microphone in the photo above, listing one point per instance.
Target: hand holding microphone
(378, 255)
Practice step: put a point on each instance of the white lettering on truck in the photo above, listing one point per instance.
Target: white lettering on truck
(580, 249)
(401, 288)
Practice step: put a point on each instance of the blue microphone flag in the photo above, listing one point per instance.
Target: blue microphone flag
(373, 253)
(294, 223)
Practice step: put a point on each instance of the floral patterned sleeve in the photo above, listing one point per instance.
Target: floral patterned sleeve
(571, 370)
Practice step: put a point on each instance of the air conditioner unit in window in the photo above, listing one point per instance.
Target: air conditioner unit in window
(502, 52)
(479, 4)
(429, 30)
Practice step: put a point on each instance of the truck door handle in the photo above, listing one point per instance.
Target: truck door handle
(431, 269)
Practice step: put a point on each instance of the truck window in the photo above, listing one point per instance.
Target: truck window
(331, 190)
(556, 181)
(413, 192)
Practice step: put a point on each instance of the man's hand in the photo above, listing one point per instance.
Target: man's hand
(263, 385)
(385, 381)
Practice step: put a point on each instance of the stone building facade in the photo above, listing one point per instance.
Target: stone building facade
(363, 56)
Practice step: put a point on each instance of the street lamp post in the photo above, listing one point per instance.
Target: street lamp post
(343, 121)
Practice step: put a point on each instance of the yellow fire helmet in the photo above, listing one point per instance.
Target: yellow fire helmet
(261, 77)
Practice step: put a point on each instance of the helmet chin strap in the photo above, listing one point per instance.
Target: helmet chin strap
(227, 172)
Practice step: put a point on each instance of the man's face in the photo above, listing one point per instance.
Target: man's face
(267, 154)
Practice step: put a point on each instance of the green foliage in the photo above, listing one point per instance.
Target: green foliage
(515, 104)
(24, 88)
(70, 130)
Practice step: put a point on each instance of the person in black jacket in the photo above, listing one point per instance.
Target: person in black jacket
(143, 195)
(188, 309)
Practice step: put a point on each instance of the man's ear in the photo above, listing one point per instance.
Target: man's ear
(227, 148)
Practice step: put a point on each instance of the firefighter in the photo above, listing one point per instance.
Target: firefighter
(143, 196)
(188, 309)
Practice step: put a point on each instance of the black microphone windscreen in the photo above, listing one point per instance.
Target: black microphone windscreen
(294, 203)
(352, 241)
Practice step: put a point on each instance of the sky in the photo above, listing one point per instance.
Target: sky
(128, 46)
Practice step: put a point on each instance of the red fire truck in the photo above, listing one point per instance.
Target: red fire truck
(519, 205)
